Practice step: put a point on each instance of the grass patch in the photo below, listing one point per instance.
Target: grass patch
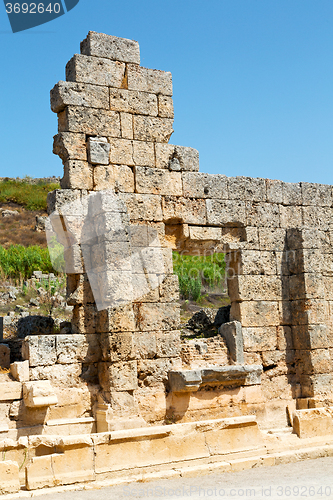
(18, 262)
(30, 196)
(199, 273)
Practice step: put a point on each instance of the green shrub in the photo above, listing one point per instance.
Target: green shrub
(18, 262)
(198, 272)
(30, 196)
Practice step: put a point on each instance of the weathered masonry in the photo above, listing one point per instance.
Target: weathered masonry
(123, 380)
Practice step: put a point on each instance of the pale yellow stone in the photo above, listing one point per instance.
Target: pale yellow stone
(121, 152)
(158, 181)
(126, 123)
(143, 153)
(120, 178)
(9, 477)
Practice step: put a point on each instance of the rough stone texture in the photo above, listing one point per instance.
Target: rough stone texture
(110, 47)
(232, 333)
(149, 80)
(78, 94)
(98, 150)
(277, 239)
(9, 477)
(95, 70)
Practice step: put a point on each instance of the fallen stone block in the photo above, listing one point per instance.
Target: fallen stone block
(41, 393)
(313, 422)
(20, 370)
(232, 333)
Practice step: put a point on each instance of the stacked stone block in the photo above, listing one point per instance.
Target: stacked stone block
(115, 121)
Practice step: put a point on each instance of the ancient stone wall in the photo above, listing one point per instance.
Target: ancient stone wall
(115, 120)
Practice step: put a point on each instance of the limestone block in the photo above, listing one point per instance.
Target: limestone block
(158, 181)
(185, 380)
(226, 212)
(152, 129)
(311, 337)
(143, 153)
(84, 319)
(58, 375)
(313, 422)
(274, 191)
(254, 189)
(312, 238)
(73, 259)
(79, 290)
(121, 152)
(309, 285)
(160, 316)
(120, 376)
(144, 345)
(291, 216)
(39, 473)
(98, 150)
(10, 391)
(154, 372)
(197, 233)
(165, 106)
(272, 238)
(89, 121)
(316, 194)
(284, 338)
(200, 185)
(111, 255)
(131, 101)
(255, 313)
(75, 465)
(4, 356)
(77, 175)
(187, 211)
(169, 289)
(143, 206)
(20, 370)
(110, 47)
(126, 123)
(262, 214)
(255, 287)
(316, 361)
(292, 193)
(149, 80)
(41, 393)
(117, 177)
(78, 94)
(39, 350)
(60, 197)
(317, 385)
(259, 339)
(251, 262)
(9, 477)
(232, 333)
(70, 146)
(188, 158)
(115, 288)
(168, 344)
(74, 348)
(95, 70)
(117, 346)
(309, 311)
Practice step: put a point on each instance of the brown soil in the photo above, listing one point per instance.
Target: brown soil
(19, 229)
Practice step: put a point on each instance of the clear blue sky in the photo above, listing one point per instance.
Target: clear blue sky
(253, 81)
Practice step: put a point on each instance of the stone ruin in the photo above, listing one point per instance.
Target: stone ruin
(123, 386)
